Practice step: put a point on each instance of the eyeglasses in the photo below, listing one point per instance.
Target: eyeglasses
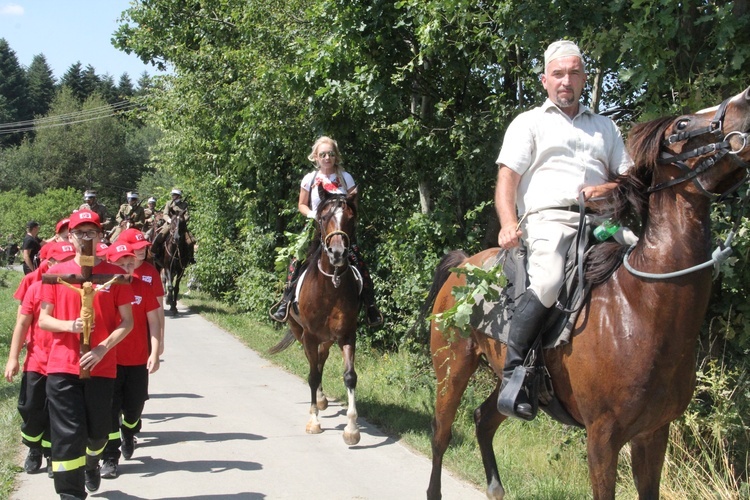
(329, 154)
(85, 235)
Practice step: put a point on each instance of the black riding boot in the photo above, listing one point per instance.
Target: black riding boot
(282, 310)
(373, 316)
(526, 324)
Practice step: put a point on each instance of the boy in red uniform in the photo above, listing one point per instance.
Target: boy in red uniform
(32, 398)
(137, 357)
(146, 272)
(80, 409)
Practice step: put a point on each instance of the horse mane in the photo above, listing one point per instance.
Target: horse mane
(629, 201)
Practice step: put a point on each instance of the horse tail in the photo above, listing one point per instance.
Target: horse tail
(442, 272)
(283, 344)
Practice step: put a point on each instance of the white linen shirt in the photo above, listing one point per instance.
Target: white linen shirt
(556, 156)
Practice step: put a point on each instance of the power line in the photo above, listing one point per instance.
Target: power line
(69, 118)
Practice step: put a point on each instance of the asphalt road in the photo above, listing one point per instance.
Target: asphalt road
(223, 423)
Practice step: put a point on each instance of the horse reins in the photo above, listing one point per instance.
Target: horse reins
(717, 150)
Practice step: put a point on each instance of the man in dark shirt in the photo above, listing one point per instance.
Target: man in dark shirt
(31, 246)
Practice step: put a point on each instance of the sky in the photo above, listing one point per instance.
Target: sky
(68, 31)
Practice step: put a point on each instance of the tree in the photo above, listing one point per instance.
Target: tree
(14, 90)
(90, 81)
(73, 79)
(41, 85)
(125, 88)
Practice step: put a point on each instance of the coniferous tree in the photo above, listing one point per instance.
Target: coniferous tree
(125, 87)
(91, 81)
(107, 89)
(14, 89)
(73, 79)
(41, 85)
(144, 83)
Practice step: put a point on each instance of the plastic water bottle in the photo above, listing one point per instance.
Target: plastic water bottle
(606, 229)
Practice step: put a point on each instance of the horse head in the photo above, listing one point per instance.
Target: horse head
(710, 148)
(177, 226)
(336, 220)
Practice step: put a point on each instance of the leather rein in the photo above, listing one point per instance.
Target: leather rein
(717, 150)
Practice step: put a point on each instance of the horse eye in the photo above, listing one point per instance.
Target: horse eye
(682, 124)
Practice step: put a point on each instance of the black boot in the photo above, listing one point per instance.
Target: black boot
(282, 309)
(373, 316)
(526, 324)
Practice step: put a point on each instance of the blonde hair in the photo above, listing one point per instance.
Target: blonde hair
(338, 161)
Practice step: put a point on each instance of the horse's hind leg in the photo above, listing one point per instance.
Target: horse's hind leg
(486, 421)
(351, 431)
(454, 363)
(647, 452)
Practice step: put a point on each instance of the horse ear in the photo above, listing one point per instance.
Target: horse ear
(351, 198)
(322, 193)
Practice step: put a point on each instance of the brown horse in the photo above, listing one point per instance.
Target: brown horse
(328, 306)
(173, 257)
(630, 367)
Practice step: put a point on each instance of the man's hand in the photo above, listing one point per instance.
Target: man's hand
(508, 237)
(600, 191)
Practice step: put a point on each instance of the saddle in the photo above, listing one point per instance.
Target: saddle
(493, 319)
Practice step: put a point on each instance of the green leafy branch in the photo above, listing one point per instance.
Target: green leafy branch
(297, 247)
(480, 282)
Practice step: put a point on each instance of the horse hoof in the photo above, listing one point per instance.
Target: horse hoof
(322, 404)
(351, 438)
(313, 429)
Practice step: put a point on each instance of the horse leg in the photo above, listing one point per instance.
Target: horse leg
(313, 380)
(486, 421)
(603, 448)
(351, 431)
(321, 400)
(647, 451)
(454, 363)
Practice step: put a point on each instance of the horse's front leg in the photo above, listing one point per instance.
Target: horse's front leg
(313, 380)
(647, 451)
(351, 431)
(603, 446)
(320, 398)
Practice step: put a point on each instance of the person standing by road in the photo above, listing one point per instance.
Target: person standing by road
(30, 246)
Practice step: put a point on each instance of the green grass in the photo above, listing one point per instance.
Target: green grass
(10, 421)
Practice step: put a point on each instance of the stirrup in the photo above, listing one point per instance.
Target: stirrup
(508, 400)
(277, 307)
(378, 322)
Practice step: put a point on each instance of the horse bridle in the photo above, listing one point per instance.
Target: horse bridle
(720, 148)
(325, 238)
(717, 150)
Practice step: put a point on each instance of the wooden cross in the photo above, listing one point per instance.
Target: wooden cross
(87, 280)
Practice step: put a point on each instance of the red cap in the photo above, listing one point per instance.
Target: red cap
(101, 249)
(84, 217)
(134, 238)
(61, 225)
(118, 250)
(61, 250)
(44, 252)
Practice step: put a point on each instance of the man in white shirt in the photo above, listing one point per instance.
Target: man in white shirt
(550, 155)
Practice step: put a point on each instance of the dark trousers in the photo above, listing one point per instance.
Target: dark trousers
(32, 406)
(130, 396)
(80, 419)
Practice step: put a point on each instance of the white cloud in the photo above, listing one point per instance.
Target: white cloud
(11, 9)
